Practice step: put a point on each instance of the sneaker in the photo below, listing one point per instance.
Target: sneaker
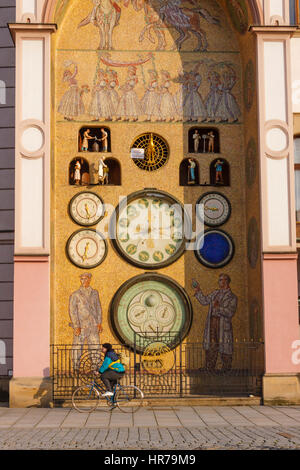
(107, 394)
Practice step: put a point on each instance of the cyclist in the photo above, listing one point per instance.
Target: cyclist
(111, 369)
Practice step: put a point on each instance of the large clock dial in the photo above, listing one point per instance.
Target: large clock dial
(150, 308)
(148, 229)
(86, 208)
(86, 248)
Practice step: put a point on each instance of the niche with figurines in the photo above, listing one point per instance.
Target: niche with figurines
(220, 172)
(94, 139)
(79, 172)
(204, 140)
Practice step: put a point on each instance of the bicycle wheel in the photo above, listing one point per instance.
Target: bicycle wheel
(85, 399)
(129, 398)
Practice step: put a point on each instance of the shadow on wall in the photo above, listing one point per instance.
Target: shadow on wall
(44, 393)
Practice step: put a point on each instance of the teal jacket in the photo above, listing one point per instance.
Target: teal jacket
(111, 362)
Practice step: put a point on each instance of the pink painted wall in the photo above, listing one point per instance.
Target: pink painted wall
(280, 312)
(31, 317)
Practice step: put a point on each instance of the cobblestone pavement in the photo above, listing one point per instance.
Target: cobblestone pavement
(178, 428)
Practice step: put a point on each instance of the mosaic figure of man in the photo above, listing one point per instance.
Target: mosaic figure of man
(86, 317)
(218, 333)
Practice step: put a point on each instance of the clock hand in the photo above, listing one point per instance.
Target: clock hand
(84, 256)
(87, 211)
(212, 209)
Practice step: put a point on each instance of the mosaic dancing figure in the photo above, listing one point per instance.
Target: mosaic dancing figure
(129, 106)
(86, 317)
(213, 96)
(167, 102)
(227, 107)
(194, 106)
(71, 104)
(101, 107)
(218, 333)
(151, 99)
(113, 82)
(181, 94)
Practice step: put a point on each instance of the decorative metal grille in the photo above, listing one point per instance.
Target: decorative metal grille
(162, 372)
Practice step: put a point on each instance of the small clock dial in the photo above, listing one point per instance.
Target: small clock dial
(86, 248)
(213, 209)
(148, 308)
(148, 229)
(156, 152)
(214, 248)
(86, 208)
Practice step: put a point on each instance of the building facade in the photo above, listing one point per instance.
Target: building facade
(154, 154)
(7, 163)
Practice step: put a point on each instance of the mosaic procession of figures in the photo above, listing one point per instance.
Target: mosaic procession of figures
(146, 87)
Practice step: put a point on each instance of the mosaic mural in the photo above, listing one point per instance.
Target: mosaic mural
(133, 68)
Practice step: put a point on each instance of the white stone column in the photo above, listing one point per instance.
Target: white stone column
(31, 365)
(278, 222)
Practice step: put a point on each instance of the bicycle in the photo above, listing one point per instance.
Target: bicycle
(86, 398)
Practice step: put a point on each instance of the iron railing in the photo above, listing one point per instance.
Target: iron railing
(163, 373)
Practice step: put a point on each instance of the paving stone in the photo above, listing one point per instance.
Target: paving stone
(188, 417)
(292, 412)
(254, 416)
(166, 418)
(275, 415)
(209, 416)
(53, 419)
(32, 418)
(231, 416)
(11, 416)
(119, 419)
(74, 419)
(144, 435)
(123, 435)
(97, 419)
(145, 418)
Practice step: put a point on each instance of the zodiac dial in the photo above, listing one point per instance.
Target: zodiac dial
(156, 151)
(149, 308)
(86, 208)
(148, 229)
(86, 248)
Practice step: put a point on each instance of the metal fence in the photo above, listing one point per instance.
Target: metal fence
(162, 372)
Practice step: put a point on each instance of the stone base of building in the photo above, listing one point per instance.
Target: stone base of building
(27, 392)
(281, 389)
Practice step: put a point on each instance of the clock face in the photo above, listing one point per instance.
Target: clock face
(86, 248)
(214, 248)
(156, 152)
(213, 209)
(148, 229)
(86, 208)
(151, 308)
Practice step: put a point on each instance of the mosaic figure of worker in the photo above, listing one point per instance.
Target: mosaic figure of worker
(218, 333)
(86, 317)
